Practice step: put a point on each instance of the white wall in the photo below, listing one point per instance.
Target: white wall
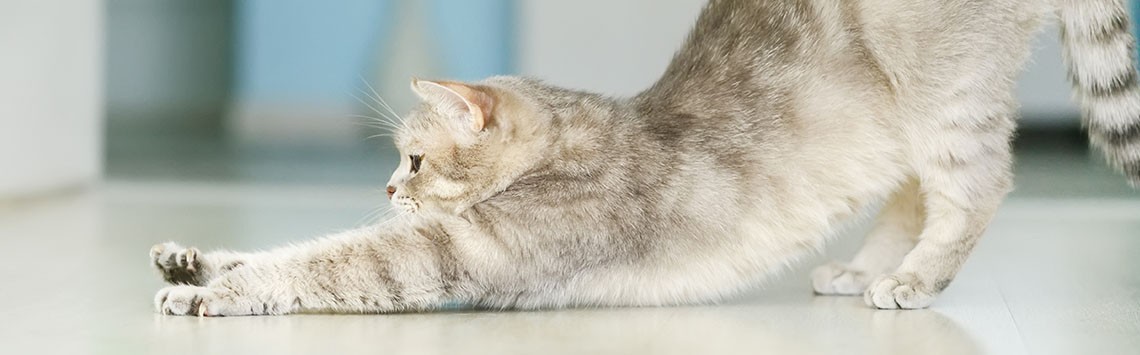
(612, 47)
(621, 47)
(50, 95)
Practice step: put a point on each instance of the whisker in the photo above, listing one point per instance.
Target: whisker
(374, 214)
(391, 218)
(381, 100)
(384, 129)
(374, 118)
(374, 136)
(375, 123)
(362, 101)
(373, 126)
(373, 108)
(382, 134)
(377, 218)
(367, 216)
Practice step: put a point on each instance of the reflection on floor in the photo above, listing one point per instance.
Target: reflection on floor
(1057, 273)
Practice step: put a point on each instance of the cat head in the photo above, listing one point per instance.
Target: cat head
(464, 143)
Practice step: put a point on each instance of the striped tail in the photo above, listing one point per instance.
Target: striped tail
(1100, 51)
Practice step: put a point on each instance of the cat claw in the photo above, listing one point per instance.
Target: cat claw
(178, 264)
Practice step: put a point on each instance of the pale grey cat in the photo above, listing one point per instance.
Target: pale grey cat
(775, 121)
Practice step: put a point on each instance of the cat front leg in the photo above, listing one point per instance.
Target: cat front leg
(361, 271)
(964, 177)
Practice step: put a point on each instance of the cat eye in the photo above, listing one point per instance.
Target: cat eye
(416, 161)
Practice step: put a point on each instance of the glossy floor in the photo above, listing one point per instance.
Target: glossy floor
(1052, 276)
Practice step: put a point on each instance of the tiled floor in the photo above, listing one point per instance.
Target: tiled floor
(1055, 274)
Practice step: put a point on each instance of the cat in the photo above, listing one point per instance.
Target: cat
(775, 122)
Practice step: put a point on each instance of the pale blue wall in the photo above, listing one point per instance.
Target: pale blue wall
(475, 38)
(302, 50)
(290, 50)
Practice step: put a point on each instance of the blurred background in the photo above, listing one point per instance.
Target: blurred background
(273, 91)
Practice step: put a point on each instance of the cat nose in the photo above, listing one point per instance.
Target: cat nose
(391, 191)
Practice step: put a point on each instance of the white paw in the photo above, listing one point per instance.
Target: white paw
(838, 279)
(185, 300)
(178, 264)
(899, 291)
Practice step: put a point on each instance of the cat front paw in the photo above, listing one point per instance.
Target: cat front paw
(186, 300)
(177, 264)
(901, 291)
(838, 279)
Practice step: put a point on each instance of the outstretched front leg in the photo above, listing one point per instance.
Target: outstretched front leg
(362, 271)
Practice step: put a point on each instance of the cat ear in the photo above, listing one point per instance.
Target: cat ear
(457, 100)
